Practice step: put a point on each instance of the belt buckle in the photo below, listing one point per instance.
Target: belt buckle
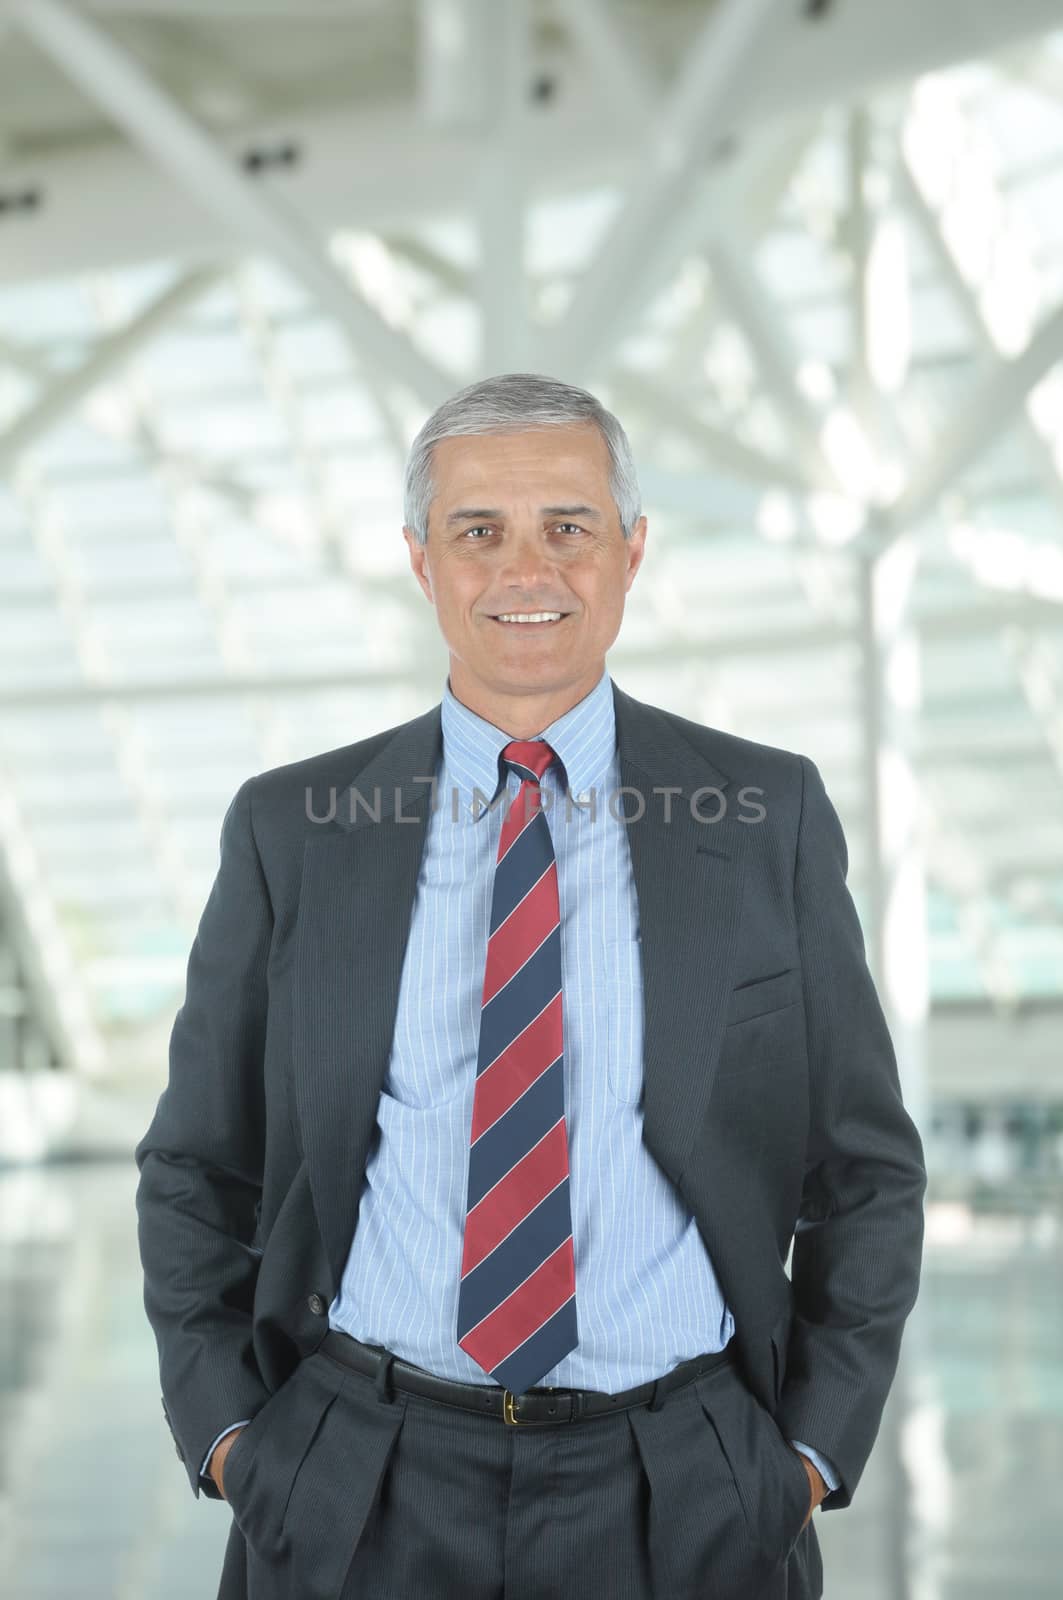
(508, 1412)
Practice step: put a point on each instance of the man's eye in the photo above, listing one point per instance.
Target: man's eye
(484, 528)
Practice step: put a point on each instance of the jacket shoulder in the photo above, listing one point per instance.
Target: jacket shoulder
(744, 760)
(274, 792)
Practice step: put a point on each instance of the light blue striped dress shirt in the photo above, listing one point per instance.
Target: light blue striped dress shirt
(647, 1297)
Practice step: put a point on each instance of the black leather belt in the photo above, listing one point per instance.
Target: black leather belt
(540, 1405)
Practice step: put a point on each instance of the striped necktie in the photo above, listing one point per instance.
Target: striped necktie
(517, 1298)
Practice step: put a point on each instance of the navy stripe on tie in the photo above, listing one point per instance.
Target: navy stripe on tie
(515, 1258)
(509, 1139)
(523, 864)
(519, 1001)
(559, 1332)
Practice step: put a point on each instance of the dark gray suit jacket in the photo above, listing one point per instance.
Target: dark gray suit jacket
(771, 1097)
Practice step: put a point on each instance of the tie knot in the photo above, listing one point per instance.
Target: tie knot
(529, 757)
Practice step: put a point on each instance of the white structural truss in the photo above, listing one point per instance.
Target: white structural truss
(810, 255)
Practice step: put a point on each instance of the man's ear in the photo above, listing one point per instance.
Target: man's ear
(419, 561)
(636, 551)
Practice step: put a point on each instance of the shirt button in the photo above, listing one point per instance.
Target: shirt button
(317, 1305)
(584, 797)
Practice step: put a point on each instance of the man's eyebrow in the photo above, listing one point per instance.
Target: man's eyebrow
(467, 513)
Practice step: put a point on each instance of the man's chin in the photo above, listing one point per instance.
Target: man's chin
(517, 672)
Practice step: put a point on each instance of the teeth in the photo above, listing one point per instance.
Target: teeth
(530, 616)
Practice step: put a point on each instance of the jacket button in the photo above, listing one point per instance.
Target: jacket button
(317, 1305)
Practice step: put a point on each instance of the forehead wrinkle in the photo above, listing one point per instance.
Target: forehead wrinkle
(464, 513)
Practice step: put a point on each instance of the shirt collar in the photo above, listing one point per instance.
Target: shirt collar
(584, 739)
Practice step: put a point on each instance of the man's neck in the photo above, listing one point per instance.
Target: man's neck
(522, 716)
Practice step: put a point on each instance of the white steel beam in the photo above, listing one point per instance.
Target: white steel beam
(1028, 655)
(757, 180)
(730, 256)
(763, 644)
(1037, 667)
(870, 42)
(371, 586)
(961, 869)
(287, 400)
(448, 79)
(710, 500)
(696, 112)
(720, 449)
(966, 302)
(964, 742)
(237, 686)
(748, 187)
(295, 11)
(897, 922)
(859, 225)
(417, 170)
(644, 394)
(111, 353)
(500, 185)
(62, 390)
(891, 697)
(177, 143)
(50, 541)
(993, 408)
(612, 59)
(62, 1004)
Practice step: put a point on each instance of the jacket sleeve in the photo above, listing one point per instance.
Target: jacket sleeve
(858, 1241)
(201, 1161)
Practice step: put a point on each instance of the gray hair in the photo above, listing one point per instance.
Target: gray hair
(510, 403)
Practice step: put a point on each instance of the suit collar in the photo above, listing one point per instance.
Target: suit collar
(584, 738)
(398, 781)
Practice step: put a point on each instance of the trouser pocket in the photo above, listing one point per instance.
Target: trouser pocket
(334, 1481)
(265, 1458)
(698, 1532)
(769, 1475)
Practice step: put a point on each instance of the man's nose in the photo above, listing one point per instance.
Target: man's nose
(527, 562)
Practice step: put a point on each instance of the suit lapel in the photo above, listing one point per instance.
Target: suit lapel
(356, 900)
(357, 896)
(688, 879)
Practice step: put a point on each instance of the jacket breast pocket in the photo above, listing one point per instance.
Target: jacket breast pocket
(763, 1020)
(762, 995)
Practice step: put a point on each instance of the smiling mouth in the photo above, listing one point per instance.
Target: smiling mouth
(550, 621)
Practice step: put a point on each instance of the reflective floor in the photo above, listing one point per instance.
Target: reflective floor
(961, 1499)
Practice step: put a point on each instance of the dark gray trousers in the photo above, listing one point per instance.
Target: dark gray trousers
(341, 1492)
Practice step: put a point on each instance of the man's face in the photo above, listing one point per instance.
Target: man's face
(526, 522)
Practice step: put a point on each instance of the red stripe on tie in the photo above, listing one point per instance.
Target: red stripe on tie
(526, 1183)
(523, 1060)
(524, 1311)
(528, 924)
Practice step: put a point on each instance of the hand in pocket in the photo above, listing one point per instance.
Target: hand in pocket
(218, 1459)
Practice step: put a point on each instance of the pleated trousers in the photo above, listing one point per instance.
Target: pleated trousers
(343, 1489)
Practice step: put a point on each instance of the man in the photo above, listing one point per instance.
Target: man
(520, 1041)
